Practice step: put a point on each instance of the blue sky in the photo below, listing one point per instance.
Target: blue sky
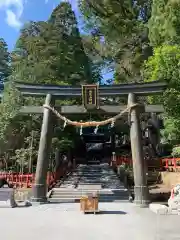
(14, 13)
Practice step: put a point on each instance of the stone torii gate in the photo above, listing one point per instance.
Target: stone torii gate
(91, 93)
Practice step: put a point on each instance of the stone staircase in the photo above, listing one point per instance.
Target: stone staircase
(93, 162)
(89, 179)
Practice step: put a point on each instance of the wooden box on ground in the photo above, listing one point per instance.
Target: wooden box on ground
(89, 204)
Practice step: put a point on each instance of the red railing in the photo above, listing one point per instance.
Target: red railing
(27, 180)
(24, 180)
(172, 164)
(118, 160)
(62, 172)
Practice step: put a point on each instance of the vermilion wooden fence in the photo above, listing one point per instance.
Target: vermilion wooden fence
(23, 180)
(168, 164)
(171, 164)
(123, 159)
(118, 160)
(27, 180)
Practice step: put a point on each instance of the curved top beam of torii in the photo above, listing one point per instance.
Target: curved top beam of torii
(60, 91)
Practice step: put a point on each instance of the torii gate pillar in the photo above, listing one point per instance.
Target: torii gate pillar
(140, 189)
(40, 185)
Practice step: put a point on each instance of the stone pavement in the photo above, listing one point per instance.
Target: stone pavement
(66, 222)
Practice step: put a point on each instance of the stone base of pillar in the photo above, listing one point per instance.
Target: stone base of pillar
(39, 194)
(142, 198)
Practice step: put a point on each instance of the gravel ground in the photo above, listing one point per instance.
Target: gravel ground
(66, 222)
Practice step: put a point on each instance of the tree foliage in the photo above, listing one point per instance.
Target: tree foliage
(164, 66)
(122, 35)
(164, 22)
(5, 68)
(176, 151)
(9, 107)
(50, 52)
(119, 36)
(164, 35)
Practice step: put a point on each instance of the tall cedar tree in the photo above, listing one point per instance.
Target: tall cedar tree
(73, 66)
(29, 62)
(47, 52)
(5, 68)
(52, 52)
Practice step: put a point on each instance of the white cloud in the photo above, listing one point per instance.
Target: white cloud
(13, 17)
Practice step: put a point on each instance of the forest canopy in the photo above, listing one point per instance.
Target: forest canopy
(135, 41)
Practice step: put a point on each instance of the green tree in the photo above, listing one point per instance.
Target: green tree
(164, 66)
(29, 62)
(73, 66)
(49, 52)
(123, 33)
(164, 35)
(96, 62)
(9, 106)
(52, 52)
(5, 68)
(164, 22)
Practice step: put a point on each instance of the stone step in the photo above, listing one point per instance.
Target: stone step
(72, 200)
(85, 180)
(104, 176)
(92, 171)
(71, 195)
(93, 175)
(80, 193)
(104, 198)
(89, 172)
(97, 181)
(78, 190)
(56, 189)
(89, 179)
(94, 162)
(104, 186)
